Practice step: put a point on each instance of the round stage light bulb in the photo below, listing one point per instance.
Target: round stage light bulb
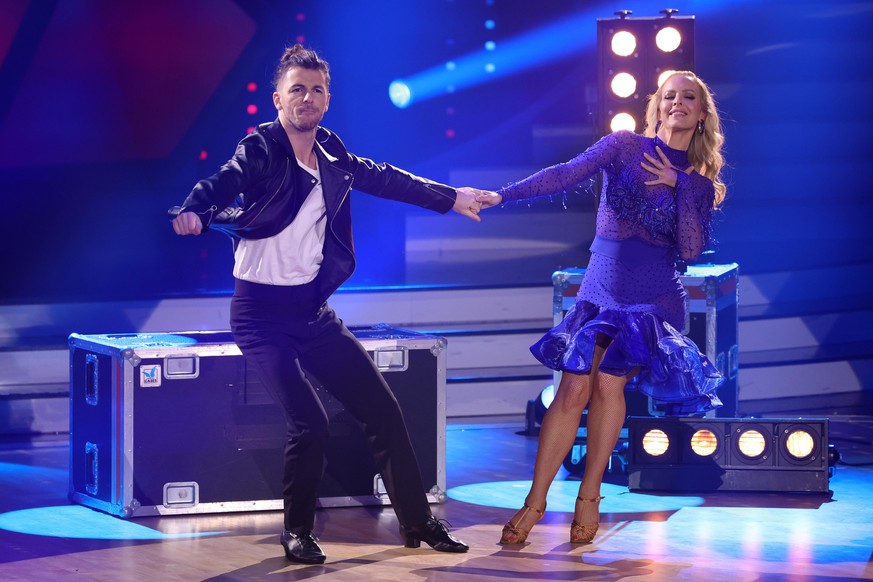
(800, 444)
(623, 84)
(751, 443)
(704, 442)
(668, 39)
(623, 121)
(656, 442)
(623, 43)
(400, 94)
(664, 76)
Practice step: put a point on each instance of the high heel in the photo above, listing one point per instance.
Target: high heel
(513, 533)
(582, 533)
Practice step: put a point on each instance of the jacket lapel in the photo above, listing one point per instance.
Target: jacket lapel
(277, 132)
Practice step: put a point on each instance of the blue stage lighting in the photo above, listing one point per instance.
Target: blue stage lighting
(562, 497)
(27, 472)
(69, 521)
(524, 52)
(400, 93)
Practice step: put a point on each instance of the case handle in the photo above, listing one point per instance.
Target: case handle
(92, 379)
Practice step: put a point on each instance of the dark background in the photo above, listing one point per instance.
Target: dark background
(110, 112)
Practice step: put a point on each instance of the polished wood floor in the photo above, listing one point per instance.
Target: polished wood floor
(731, 536)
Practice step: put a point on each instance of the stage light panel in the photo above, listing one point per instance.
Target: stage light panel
(709, 454)
(641, 48)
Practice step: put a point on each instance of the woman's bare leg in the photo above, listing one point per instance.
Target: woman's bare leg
(557, 434)
(606, 415)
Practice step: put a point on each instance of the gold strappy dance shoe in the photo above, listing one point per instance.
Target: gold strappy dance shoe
(582, 533)
(513, 533)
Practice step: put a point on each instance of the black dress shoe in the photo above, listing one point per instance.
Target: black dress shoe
(302, 548)
(433, 533)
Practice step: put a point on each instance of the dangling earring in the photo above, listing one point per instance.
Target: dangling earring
(700, 127)
(657, 126)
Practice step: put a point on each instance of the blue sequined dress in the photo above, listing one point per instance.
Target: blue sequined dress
(631, 291)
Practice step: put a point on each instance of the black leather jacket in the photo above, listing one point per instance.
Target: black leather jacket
(259, 191)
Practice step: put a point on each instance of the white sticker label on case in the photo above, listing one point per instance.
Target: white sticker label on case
(150, 375)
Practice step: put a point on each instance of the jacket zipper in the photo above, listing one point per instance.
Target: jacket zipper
(340, 205)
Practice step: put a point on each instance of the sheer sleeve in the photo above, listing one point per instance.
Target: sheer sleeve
(694, 198)
(563, 177)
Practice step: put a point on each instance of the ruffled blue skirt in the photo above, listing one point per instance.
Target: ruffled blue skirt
(679, 379)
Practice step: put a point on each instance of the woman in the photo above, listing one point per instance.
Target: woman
(659, 192)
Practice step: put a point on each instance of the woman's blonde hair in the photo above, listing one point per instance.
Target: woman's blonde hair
(704, 152)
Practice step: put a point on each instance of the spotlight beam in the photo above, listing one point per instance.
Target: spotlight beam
(541, 46)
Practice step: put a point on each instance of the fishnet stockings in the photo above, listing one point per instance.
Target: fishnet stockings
(606, 415)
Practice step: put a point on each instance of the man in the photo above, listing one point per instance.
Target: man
(284, 198)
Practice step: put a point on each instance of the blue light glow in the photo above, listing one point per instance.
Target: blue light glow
(400, 93)
(20, 472)
(73, 521)
(515, 55)
(490, 24)
(123, 341)
(490, 45)
(562, 497)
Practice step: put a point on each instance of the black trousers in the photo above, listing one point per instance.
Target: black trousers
(282, 331)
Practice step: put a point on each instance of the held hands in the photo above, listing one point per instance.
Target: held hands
(480, 198)
(665, 171)
(487, 198)
(468, 203)
(471, 201)
(187, 223)
(465, 203)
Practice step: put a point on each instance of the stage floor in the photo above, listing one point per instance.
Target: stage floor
(731, 536)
